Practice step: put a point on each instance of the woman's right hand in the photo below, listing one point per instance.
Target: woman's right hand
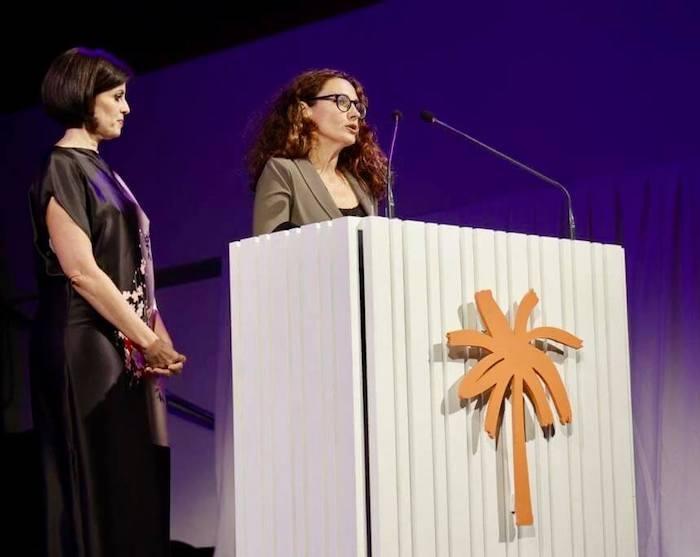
(162, 358)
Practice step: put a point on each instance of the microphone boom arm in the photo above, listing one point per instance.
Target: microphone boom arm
(572, 225)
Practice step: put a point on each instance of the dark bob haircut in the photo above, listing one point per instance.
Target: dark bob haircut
(73, 81)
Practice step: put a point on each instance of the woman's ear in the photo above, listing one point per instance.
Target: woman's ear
(304, 109)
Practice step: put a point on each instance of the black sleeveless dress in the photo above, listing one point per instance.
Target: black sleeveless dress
(99, 420)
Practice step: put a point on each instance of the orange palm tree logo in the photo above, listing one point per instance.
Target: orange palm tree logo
(514, 364)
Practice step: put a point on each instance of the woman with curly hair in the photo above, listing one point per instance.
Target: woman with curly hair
(315, 157)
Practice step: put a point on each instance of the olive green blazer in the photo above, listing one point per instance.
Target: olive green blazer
(290, 191)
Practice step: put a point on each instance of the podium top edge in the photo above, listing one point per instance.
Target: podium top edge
(362, 223)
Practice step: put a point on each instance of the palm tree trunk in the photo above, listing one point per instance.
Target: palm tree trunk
(523, 506)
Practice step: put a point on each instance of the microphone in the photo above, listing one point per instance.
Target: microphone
(430, 118)
(390, 210)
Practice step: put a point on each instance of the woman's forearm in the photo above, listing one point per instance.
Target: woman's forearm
(102, 294)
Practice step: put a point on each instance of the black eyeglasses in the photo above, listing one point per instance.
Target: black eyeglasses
(343, 102)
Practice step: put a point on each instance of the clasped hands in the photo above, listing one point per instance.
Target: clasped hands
(162, 358)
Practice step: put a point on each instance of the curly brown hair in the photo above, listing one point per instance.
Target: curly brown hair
(285, 132)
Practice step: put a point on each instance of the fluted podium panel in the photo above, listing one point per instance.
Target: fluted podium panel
(350, 435)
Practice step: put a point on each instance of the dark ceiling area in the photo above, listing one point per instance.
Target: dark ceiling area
(147, 42)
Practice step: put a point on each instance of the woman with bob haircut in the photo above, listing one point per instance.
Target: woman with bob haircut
(98, 344)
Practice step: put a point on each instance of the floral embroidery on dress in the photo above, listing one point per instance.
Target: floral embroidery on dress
(141, 298)
(136, 298)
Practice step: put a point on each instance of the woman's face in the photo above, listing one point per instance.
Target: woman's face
(334, 126)
(110, 110)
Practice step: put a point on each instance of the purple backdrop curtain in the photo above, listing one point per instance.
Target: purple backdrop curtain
(653, 216)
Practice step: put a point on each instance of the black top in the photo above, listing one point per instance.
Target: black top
(356, 211)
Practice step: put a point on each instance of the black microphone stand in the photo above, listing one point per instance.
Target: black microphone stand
(431, 119)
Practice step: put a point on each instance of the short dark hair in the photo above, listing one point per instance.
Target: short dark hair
(75, 78)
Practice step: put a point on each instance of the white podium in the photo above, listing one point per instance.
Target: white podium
(349, 437)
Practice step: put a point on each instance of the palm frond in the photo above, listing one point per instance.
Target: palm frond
(493, 410)
(527, 304)
(549, 374)
(468, 387)
(555, 334)
(535, 392)
(492, 316)
(470, 338)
